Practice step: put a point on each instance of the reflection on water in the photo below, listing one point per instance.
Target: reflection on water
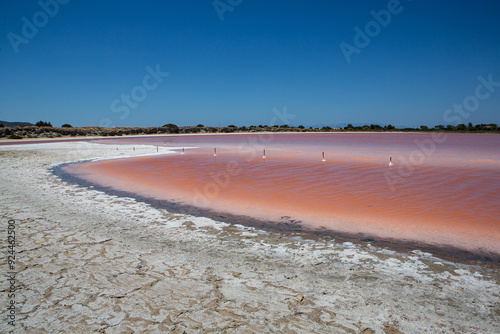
(441, 190)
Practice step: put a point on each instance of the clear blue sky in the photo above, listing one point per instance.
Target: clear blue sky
(81, 64)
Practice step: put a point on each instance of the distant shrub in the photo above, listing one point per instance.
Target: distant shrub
(231, 126)
(41, 123)
(66, 126)
(14, 137)
(301, 127)
(1, 125)
(170, 126)
(200, 126)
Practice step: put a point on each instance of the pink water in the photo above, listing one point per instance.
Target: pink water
(442, 190)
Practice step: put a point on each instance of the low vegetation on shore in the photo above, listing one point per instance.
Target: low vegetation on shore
(46, 130)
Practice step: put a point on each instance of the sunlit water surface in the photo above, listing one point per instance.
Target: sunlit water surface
(441, 190)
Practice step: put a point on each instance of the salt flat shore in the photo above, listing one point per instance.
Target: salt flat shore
(91, 262)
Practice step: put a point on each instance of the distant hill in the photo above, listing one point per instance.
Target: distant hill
(14, 124)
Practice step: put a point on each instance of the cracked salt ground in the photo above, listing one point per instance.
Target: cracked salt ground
(91, 262)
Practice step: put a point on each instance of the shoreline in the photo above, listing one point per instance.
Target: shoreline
(3, 141)
(89, 261)
(291, 227)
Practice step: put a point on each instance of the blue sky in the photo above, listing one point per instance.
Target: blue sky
(91, 63)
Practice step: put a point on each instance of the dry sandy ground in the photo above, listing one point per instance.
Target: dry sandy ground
(90, 262)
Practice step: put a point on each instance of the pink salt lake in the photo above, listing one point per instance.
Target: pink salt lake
(442, 189)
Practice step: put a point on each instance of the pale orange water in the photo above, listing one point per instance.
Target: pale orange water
(441, 190)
